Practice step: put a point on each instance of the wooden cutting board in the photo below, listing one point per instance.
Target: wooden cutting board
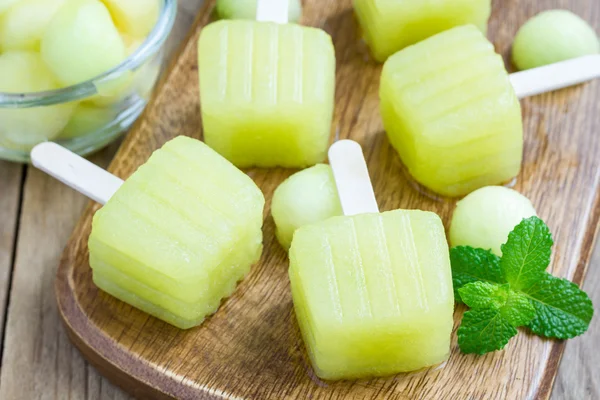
(251, 349)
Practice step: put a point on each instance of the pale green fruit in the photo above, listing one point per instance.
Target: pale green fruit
(485, 217)
(266, 92)
(456, 128)
(306, 197)
(87, 119)
(134, 17)
(132, 43)
(82, 42)
(373, 293)
(179, 234)
(5, 5)
(116, 90)
(145, 78)
(22, 26)
(553, 36)
(391, 25)
(25, 72)
(246, 9)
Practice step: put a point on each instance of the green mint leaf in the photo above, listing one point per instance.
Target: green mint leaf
(484, 330)
(562, 310)
(474, 265)
(484, 295)
(518, 309)
(515, 307)
(527, 252)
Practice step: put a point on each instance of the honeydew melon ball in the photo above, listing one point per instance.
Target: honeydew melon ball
(485, 217)
(306, 197)
(87, 119)
(22, 26)
(145, 79)
(114, 91)
(147, 74)
(82, 42)
(134, 17)
(553, 36)
(21, 129)
(246, 9)
(5, 5)
(132, 43)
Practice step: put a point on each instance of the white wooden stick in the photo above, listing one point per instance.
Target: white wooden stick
(555, 76)
(75, 171)
(352, 178)
(272, 11)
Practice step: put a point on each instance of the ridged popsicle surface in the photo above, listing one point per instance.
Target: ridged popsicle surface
(451, 113)
(373, 293)
(391, 25)
(182, 230)
(266, 92)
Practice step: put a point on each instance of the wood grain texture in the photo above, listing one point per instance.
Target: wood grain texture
(251, 348)
(578, 376)
(10, 193)
(39, 361)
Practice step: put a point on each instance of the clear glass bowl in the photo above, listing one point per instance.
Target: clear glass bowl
(103, 107)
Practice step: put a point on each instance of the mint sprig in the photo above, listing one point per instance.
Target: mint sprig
(514, 290)
(474, 265)
(527, 253)
(563, 310)
(496, 311)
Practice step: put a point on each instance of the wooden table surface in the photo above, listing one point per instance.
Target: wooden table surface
(37, 215)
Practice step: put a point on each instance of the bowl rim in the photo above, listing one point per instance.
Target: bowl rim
(151, 45)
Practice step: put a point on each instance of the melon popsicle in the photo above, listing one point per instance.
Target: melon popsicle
(372, 291)
(266, 89)
(450, 111)
(177, 236)
(391, 25)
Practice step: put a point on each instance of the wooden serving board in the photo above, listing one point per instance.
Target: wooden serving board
(251, 349)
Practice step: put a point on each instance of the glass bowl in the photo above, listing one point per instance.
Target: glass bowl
(98, 110)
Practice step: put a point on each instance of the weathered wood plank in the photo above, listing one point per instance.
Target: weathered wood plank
(250, 347)
(39, 361)
(10, 193)
(70, 376)
(578, 376)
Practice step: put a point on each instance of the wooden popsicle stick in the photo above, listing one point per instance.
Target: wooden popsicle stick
(555, 76)
(272, 11)
(75, 171)
(352, 178)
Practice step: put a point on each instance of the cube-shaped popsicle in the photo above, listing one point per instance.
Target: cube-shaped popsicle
(179, 234)
(389, 26)
(266, 92)
(451, 113)
(373, 293)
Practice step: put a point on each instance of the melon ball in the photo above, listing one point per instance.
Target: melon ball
(306, 197)
(553, 36)
(5, 5)
(134, 17)
(22, 26)
(132, 43)
(117, 89)
(246, 9)
(87, 119)
(82, 42)
(145, 79)
(25, 72)
(485, 217)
